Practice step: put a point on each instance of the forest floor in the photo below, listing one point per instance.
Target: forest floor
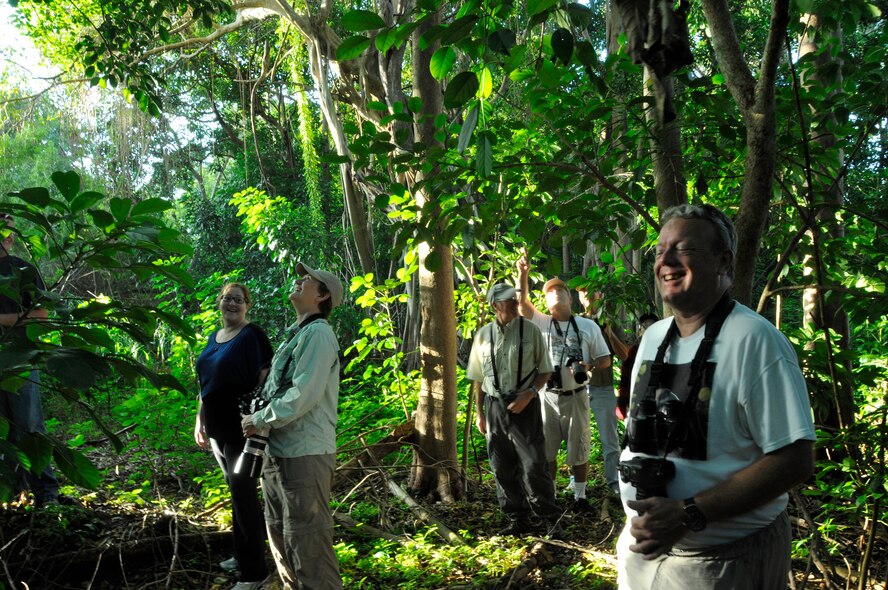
(105, 544)
(106, 540)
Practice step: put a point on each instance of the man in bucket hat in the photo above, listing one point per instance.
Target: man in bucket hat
(508, 365)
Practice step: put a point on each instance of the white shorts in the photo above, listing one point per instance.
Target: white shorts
(567, 418)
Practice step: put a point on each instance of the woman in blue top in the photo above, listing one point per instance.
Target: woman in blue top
(235, 360)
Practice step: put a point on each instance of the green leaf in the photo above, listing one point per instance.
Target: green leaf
(484, 154)
(85, 200)
(97, 419)
(68, 183)
(468, 128)
(352, 47)
(549, 74)
(76, 467)
(485, 88)
(535, 7)
(72, 367)
(386, 39)
(120, 208)
(563, 45)
(461, 89)
(458, 29)
(38, 448)
(102, 219)
(149, 206)
(335, 159)
(502, 40)
(442, 62)
(37, 195)
(362, 20)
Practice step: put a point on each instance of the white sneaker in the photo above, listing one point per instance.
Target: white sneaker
(229, 565)
(250, 585)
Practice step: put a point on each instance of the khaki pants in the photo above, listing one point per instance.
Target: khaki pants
(300, 525)
(760, 561)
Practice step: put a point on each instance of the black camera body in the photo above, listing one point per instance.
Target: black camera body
(250, 461)
(576, 369)
(648, 476)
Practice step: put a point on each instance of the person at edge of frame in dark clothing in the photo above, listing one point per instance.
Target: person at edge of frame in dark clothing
(23, 408)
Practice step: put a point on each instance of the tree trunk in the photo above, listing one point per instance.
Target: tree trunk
(436, 468)
(755, 98)
(669, 180)
(827, 197)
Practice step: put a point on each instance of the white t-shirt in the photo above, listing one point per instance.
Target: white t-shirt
(564, 342)
(753, 401)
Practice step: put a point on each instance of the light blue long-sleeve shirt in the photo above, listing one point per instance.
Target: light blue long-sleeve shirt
(302, 413)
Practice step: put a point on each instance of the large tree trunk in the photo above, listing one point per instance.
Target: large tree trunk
(436, 467)
(827, 197)
(665, 145)
(755, 98)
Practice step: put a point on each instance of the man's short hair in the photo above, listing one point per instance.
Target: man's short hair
(725, 234)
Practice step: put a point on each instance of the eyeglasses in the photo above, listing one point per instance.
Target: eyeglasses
(233, 299)
(682, 251)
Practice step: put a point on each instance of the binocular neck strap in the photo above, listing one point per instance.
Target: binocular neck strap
(714, 322)
(496, 382)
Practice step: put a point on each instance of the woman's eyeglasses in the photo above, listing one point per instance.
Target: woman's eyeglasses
(233, 299)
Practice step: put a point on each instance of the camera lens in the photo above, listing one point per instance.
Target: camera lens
(250, 461)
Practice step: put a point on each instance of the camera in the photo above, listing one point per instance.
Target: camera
(649, 431)
(649, 476)
(250, 461)
(554, 381)
(577, 369)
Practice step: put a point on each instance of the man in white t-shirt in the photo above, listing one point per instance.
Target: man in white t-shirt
(719, 427)
(575, 347)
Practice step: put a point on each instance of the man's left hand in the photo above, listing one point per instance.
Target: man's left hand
(658, 526)
(519, 403)
(247, 426)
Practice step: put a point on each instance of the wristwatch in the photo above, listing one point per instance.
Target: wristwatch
(694, 519)
(534, 389)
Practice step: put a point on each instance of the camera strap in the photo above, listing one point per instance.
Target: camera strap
(714, 322)
(302, 324)
(519, 380)
(572, 324)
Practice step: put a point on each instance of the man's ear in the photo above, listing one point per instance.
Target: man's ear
(725, 262)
